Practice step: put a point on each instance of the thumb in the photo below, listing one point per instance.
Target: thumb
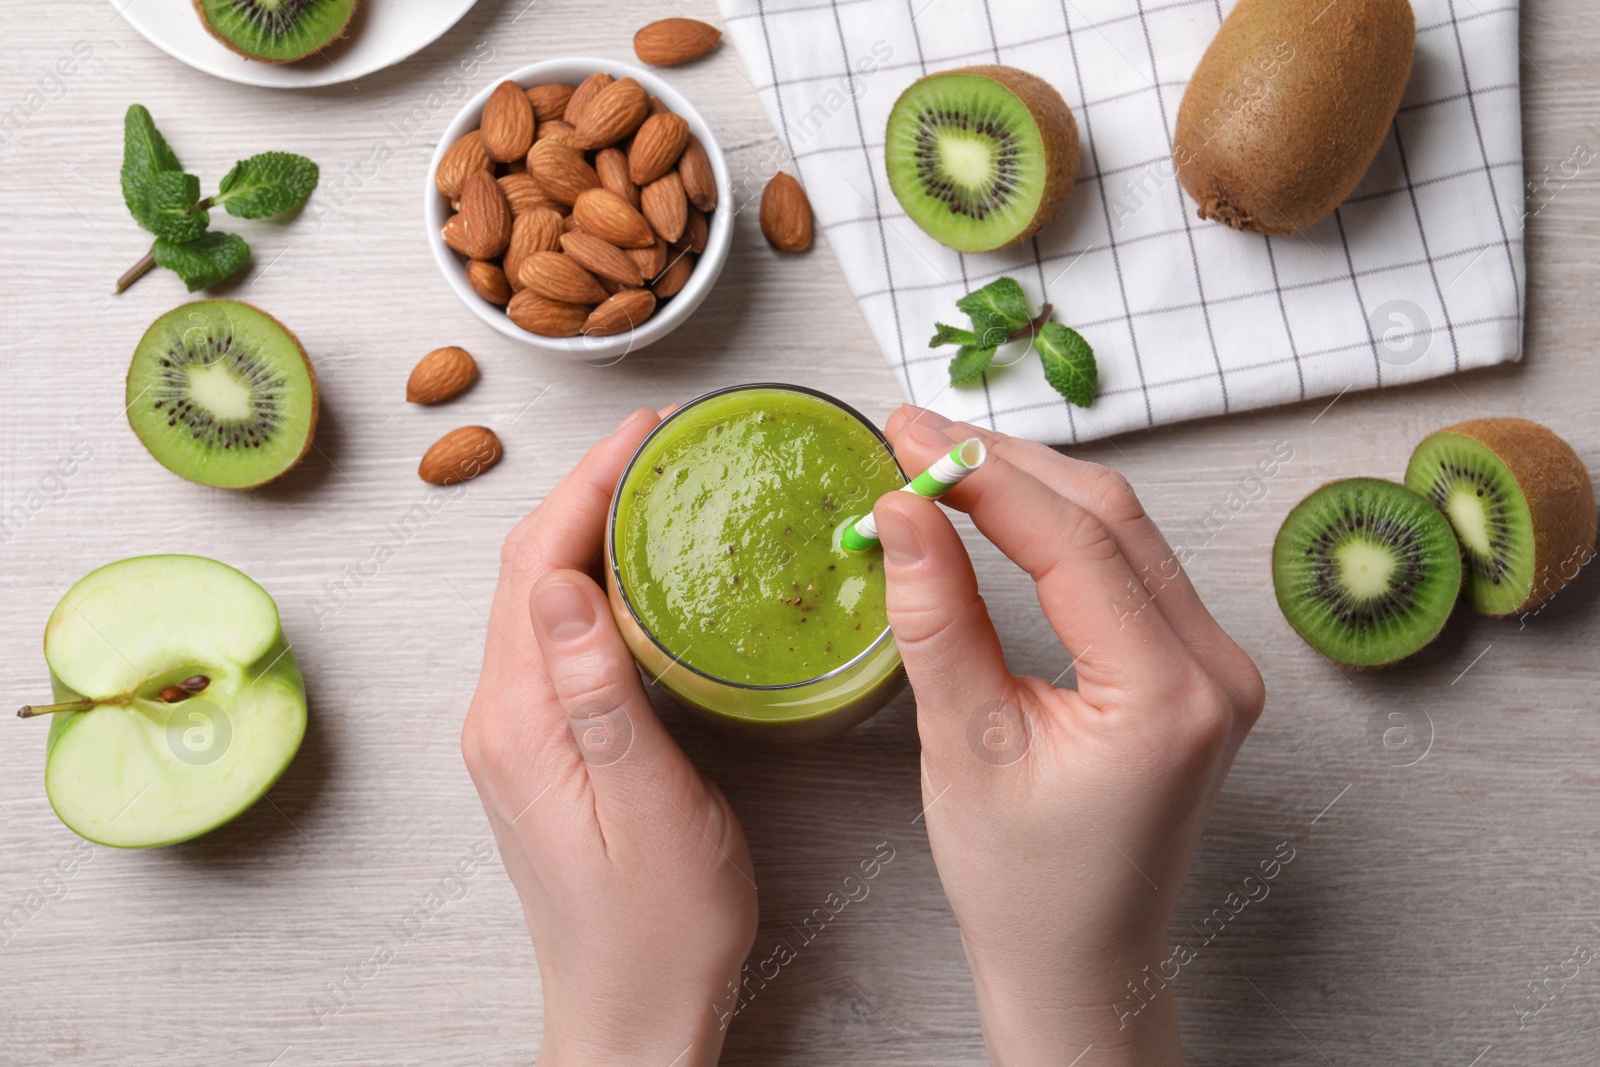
(951, 651)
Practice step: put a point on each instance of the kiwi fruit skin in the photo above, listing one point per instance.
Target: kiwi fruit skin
(1437, 587)
(1288, 108)
(1554, 486)
(321, 41)
(1058, 131)
(133, 395)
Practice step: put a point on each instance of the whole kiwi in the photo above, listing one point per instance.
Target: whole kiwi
(1288, 107)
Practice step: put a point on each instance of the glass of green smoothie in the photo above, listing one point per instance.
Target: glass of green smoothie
(724, 569)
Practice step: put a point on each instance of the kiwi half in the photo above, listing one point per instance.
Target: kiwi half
(1520, 501)
(221, 393)
(276, 31)
(981, 157)
(1367, 571)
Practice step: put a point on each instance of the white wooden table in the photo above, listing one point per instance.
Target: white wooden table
(1422, 899)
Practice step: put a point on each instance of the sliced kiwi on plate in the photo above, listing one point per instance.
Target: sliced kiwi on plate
(981, 157)
(221, 393)
(276, 31)
(1367, 571)
(1520, 501)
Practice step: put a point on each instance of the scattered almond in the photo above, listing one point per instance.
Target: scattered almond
(612, 166)
(548, 318)
(672, 41)
(549, 101)
(458, 161)
(650, 261)
(460, 455)
(625, 311)
(441, 374)
(616, 111)
(656, 147)
(611, 218)
(557, 276)
(561, 171)
(675, 277)
(786, 214)
(665, 206)
(537, 231)
(699, 180)
(489, 281)
(605, 261)
(584, 95)
(507, 128)
(485, 217)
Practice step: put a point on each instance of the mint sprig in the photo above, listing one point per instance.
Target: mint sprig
(1000, 315)
(167, 202)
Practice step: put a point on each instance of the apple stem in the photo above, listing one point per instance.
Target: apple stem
(28, 711)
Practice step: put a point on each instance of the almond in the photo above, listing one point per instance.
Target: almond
(458, 161)
(665, 206)
(672, 41)
(605, 261)
(656, 106)
(612, 166)
(485, 216)
(695, 232)
(549, 101)
(516, 166)
(650, 261)
(548, 318)
(560, 171)
(656, 147)
(699, 180)
(786, 214)
(454, 235)
(625, 311)
(557, 130)
(459, 455)
(557, 276)
(523, 194)
(442, 374)
(674, 278)
(537, 231)
(614, 113)
(584, 95)
(488, 281)
(569, 224)
(611, 218)
(507, 129)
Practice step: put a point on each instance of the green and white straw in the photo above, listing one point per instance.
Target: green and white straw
(861, 533)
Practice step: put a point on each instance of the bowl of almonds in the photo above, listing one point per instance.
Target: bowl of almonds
(573, 206)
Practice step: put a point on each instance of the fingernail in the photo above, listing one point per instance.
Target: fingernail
(902, 545)
(563, 612)
(936, 420)
(928, 435)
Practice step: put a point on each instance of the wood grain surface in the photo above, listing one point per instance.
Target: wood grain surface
(1432, 882)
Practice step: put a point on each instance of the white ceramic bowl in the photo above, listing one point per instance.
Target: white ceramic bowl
(572, 70)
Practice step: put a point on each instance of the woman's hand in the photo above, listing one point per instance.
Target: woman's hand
(1062, 820)
(633, 872)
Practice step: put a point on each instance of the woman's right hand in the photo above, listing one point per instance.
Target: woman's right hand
(1062, 821)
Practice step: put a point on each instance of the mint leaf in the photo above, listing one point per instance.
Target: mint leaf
(204, 261)
(271, 183)
(970, 361)
(991, 329)
(168, 207)
(951, 335)
(1000, 303)
(1068, 363)
(145, 153)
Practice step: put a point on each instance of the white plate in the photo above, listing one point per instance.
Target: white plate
(383, 33)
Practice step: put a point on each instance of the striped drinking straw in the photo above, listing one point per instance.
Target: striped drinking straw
(861, 533)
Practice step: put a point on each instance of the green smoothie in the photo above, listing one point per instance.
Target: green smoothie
(724, 536)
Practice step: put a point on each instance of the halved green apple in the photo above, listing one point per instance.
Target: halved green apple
(179, 701)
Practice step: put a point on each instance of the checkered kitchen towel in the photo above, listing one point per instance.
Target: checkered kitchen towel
(1419, 274)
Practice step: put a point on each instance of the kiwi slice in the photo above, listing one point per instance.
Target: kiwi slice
(1366, 571)
(1520, 501)
(221, 393)
(276, 31)
(981, 157)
